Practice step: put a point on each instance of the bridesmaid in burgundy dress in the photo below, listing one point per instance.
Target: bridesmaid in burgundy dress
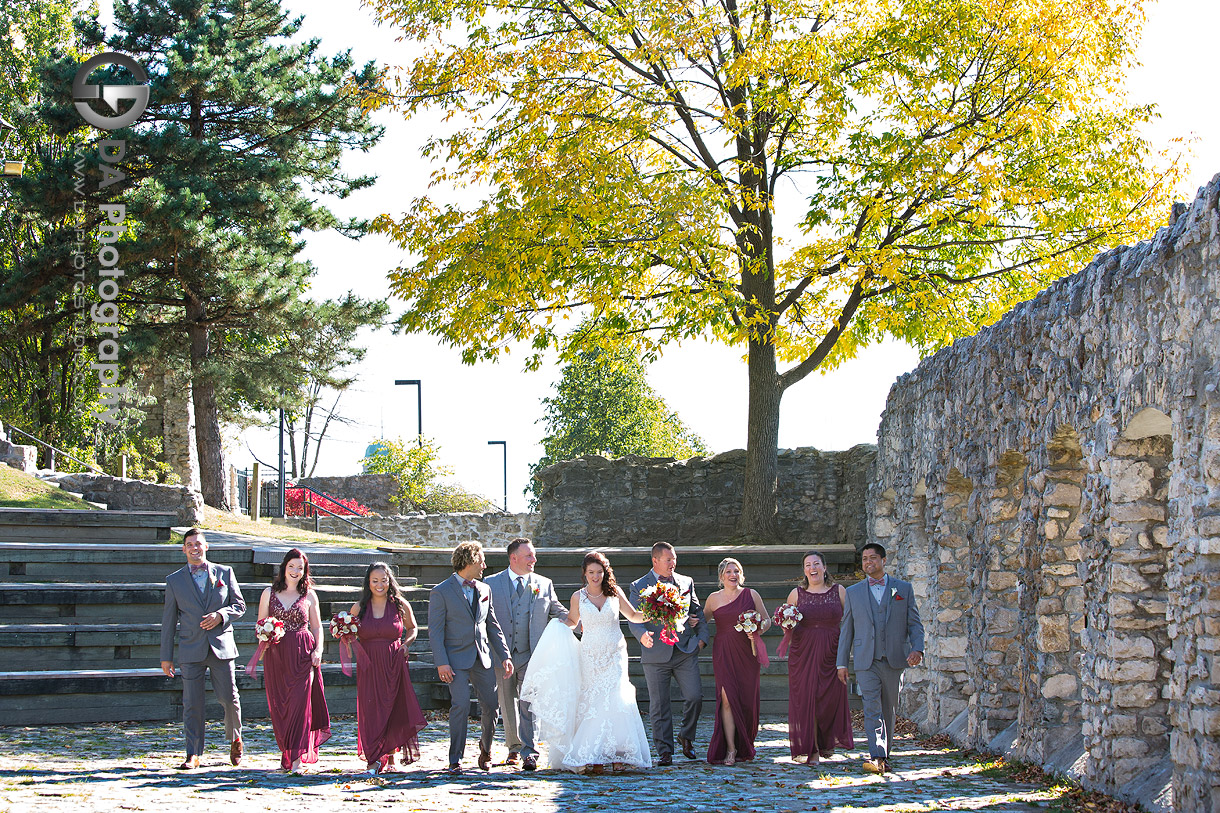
(735, 664)
(388, 716)
(292, 673)
(818, 714)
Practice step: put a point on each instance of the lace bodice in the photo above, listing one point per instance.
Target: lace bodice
(293, 617)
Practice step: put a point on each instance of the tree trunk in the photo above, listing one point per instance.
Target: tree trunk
(207, 416)
(757, 523)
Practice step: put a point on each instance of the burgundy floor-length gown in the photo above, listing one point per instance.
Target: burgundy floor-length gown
(818, 715)
(388, 716)
(295, 696)
(736, 669)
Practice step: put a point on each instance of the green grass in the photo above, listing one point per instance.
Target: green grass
(21, 490)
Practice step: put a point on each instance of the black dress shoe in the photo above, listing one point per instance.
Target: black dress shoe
(665, 759)
(688, 748)
(529, 763)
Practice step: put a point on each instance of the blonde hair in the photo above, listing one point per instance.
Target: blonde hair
(724, 563)
(465, 554)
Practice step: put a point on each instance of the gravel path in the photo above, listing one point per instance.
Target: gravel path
(109, 767)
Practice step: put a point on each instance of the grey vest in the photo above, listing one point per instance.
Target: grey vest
(878, 626)
(521, 616)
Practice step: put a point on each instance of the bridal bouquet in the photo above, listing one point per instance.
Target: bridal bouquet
(664, 606)
(787, 616)
(269, 630)
(343, 624)
(749, 622)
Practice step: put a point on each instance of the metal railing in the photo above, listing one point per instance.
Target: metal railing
(317, 522)
(54, 449)
(310, 490)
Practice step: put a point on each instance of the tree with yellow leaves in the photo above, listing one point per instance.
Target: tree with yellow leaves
(797, 177)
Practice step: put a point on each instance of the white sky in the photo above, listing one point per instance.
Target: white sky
(464, 407)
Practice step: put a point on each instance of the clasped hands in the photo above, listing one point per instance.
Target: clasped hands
(445, 672)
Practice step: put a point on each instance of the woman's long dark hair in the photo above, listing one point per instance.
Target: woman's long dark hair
(804, 582)
(393, 593)
(281, 580)
(609, 586)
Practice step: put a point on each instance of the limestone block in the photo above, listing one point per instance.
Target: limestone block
(1063, 686)
(1118, 725)
(1137, 512)
(953, 647)
(1208, 526)
(1127, 579)
(1058, 513)
(1063, 494)
(1053, 635)
(1128, 748)
(1130, 480)
(1134, 695)
(948, 616)
(1126, 647)
(1134, 670)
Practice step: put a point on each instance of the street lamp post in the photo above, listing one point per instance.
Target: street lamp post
(419, 404)
(504, 444)
(12, 169)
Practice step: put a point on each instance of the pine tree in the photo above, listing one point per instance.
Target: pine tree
(244, 131)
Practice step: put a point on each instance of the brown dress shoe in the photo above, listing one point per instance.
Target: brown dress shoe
(236, 750)
(513, 758)
(875, 766)
(665, 759)
(454, 767)
(688, 748)
(530, 763)
(484, 760)
(191, 762)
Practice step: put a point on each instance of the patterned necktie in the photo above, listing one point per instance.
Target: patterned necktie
(520, 586)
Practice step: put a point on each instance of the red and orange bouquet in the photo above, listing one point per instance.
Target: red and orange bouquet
(663, 605)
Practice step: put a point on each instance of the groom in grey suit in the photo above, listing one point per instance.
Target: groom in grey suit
(464, 634)
(881, 630)
(202, 600)
(524, 603)
(663, 662)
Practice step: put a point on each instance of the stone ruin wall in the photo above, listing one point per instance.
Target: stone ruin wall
(594, 502)
(1051, 487)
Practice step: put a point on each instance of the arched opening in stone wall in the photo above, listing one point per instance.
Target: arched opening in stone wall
(1130, 714)
(945, 618)
(1050, 705)
(996, 561)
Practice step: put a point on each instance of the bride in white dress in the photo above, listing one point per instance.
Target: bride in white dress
(583, 704)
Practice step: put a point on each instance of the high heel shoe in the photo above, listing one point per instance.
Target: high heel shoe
(730, 758)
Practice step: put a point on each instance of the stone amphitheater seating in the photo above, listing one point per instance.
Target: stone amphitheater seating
(80, 617)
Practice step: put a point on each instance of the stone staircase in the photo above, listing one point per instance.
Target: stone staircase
(80, 622)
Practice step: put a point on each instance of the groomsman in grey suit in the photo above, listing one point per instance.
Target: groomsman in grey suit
(881, 630)
(664, 662)
(202, 600)
(464, 634)
(524, 603)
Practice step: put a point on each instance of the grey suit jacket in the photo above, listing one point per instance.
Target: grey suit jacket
(689, 635)
(858, 632)
(544, 606)
(460, 635)
(185, 607)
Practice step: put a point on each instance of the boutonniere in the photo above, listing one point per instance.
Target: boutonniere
(535, 590)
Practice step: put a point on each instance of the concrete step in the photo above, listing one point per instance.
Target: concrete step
(104, 603)
(71, 525)
(92, 562)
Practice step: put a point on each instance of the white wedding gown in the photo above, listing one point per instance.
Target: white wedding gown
(583, 704)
